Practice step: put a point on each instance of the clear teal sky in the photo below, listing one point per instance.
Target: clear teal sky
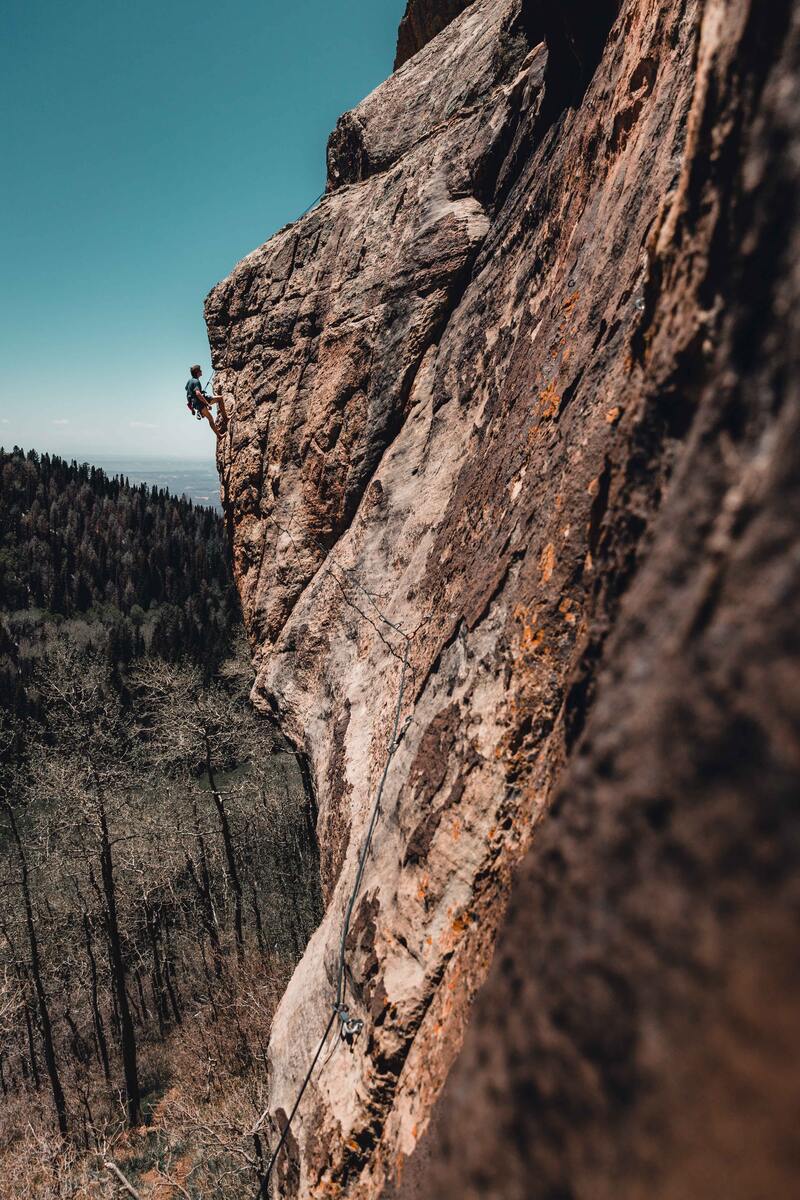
(145, 147)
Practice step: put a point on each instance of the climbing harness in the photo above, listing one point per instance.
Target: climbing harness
(349, 1027)
(194, 408)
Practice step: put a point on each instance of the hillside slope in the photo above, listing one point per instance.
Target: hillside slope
(516, 404)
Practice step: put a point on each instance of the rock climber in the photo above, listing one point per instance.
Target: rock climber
(199, 403)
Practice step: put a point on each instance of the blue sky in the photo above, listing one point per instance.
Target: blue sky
(146, 147)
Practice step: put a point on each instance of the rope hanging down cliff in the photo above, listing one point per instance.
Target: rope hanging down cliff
(349, 1026)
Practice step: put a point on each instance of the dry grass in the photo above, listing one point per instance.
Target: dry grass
(205, 1087)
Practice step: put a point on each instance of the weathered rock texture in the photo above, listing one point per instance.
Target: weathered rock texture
(422, 20)
(524, 388)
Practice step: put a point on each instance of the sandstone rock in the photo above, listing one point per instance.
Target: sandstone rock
(422, 20)
(521, 395)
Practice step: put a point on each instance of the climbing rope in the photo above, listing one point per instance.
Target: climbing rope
(350, 1026)
(362, 858)
(313, 204)
(262, 1191)
(331, 560)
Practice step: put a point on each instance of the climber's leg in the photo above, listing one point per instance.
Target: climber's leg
(207, 414)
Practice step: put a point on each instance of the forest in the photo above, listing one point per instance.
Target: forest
(107, 566)
(158, 860)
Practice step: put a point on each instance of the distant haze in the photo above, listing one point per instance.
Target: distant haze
(146, 149)
(195, 479)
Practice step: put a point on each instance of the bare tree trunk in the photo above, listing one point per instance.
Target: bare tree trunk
(137, 1016)
(169, 976)
(203, 885)
(127, 1031)
(31, 1047)
(79, 1047)
(259, 926)
(59, 1100)
(173, 999)
(156, 979)
(230, 857)
(143, 1012)
(115, 1021)
(207, 976)
(97, 1020)
(26, 1008)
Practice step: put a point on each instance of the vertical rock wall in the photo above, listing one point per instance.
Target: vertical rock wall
(519, 399)
(422, 20)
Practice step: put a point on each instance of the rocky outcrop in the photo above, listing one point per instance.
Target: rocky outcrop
(422, 20)
(517, 403)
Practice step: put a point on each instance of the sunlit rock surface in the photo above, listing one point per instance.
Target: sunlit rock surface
(522, 390)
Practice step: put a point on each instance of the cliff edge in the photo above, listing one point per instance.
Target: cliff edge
(512, 487)
(422, 20)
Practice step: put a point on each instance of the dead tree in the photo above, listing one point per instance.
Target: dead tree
(48, 1045)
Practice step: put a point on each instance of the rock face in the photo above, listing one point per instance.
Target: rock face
(517, 405)
(422, 20)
